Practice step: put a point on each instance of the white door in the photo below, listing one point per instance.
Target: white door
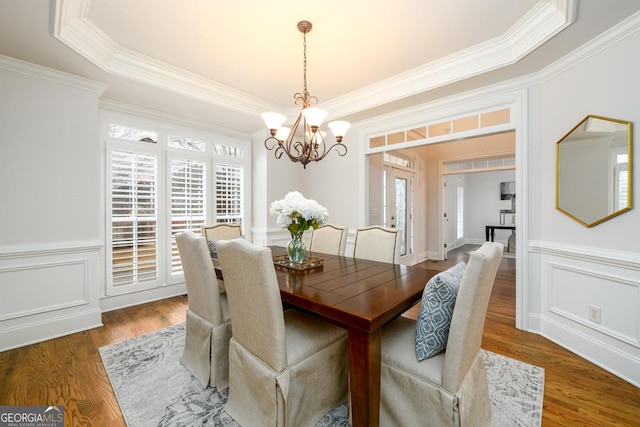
(450, 215)
(399, 209)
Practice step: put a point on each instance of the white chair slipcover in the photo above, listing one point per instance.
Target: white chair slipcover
(208, 325)
(377, 243)
(329, 239)
(286, 368)
(222, 231)
(450, 388)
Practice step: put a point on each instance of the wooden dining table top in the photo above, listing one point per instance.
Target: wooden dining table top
(356, 292)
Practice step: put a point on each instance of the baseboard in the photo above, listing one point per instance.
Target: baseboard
(618, 362)
(49, 328)
(117, 302)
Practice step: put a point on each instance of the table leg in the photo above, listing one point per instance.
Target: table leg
(364, 374)
(486, 233)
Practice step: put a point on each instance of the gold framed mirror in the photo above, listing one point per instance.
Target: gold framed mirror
(593, 170)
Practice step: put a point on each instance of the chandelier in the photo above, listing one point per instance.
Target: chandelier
(304, 142)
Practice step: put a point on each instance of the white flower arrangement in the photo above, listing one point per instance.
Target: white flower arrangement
(297, 214)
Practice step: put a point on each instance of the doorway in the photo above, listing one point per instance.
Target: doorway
(471, 201)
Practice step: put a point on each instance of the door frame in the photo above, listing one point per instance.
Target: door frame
(515, 100)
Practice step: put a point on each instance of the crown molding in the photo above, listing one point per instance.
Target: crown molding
(610, 37)
(131, 109)
(492, 94)
(73, 28)
(541, 23)
(22, 67)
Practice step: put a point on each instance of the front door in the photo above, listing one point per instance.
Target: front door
(399, 209)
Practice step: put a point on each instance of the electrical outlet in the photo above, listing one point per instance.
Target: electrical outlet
(595, 314)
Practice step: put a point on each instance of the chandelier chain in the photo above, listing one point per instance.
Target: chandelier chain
(304, 50)
(311, 147)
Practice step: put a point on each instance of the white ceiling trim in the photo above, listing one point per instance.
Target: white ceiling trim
(136, 110)
(22, 67)
(543, 21)
(73, 28)
(610, 37)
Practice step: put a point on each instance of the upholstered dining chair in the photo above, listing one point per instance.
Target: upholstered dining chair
(448, 388)
(286, 368)
(377, 243)
(222, 231)
(208, 324)
(329, 239)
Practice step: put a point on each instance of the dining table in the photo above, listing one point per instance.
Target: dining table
(361, 296)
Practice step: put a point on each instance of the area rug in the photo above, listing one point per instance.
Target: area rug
(154, 389)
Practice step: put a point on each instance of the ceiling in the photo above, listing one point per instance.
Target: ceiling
(225, 62)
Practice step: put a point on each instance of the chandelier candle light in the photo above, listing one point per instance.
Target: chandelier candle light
(297, 214)
(308, 143)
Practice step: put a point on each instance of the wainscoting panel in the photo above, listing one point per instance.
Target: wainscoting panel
(48, 291)
(590, 303)
(575, 293)
(43, 287)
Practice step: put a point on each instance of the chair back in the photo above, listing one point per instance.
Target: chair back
(329, 239)
(254, 300)
(222, 231)
(467, 322)
(200, 276)
(377, 243)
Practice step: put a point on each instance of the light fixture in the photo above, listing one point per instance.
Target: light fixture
(306, 144)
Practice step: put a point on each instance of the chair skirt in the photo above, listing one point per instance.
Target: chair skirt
(206, 351)
(312, 384)
(411, 392)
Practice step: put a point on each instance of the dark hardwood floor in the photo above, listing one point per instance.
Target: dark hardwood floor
(68, 371)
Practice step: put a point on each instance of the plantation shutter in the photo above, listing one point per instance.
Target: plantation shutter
(188, 202)
(134, 233)
(229, 193)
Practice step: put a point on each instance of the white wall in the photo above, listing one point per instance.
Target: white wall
(573, 267)
(482, 192)
(52, 210)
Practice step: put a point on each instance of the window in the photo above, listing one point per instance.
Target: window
(188, 201)
(229, 193)
(621, 182)
(160, 183)
(134, 243)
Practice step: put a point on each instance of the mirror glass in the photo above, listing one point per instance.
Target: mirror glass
(593, 170)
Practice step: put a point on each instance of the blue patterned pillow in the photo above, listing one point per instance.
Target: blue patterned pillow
(212, 249)
(436, 310)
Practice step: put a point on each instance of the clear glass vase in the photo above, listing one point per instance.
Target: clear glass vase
(295, 248)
